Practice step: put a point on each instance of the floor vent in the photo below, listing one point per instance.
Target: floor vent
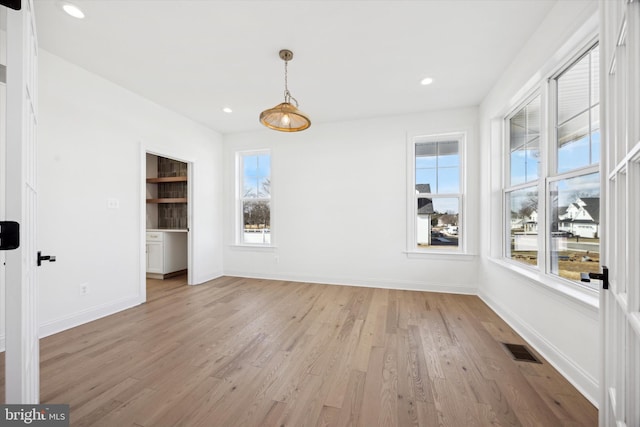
(521, 353)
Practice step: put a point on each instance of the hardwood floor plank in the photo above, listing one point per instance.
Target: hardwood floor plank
(253, 352)
(351, 409)
(372, 389)
(406, 374)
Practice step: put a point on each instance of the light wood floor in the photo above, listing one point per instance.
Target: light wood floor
(246, 352)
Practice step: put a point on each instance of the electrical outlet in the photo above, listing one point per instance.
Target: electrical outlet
(84, 289)
(276, 258)
(113, 203)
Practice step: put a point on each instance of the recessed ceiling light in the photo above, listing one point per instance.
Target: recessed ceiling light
(426, 81)
(72, 10)
(227, 110)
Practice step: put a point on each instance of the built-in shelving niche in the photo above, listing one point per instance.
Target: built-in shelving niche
(166, 193)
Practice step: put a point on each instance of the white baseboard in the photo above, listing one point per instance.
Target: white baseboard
(87, 315)
(403, 285)
(578, 377)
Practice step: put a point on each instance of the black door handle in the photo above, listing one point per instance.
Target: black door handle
(50, 258)
(604, 276)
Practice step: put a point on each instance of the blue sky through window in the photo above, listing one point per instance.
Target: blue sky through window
(256, 175)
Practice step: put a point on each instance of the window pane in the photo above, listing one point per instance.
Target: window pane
(264, 165)
(595, 75)
(532, 160)
(517, 126)
(425, 180)
(426, 149)
(575, 226)
(578, 121)
(256, 221)
(523, 227)
(573, 143)
(250, 164)
(437, 223)
(525, 143)
(425, 162)
(448, 180)
(573, 90)
(533, 120)
(256, 180)
(438, 167)
(448, 154)
(518, 166)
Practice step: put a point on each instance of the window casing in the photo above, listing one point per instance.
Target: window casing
(552, 185)
(522, 191)
(573, 187)
(253, 191)
(436, 194)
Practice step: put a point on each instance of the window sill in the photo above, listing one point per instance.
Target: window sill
(454, 256)
(254, 248)
(587, 297)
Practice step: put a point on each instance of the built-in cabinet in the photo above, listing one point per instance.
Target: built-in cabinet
(166, 253)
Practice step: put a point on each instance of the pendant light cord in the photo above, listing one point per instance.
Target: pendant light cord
(287, 94)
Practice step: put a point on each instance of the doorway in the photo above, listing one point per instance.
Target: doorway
(167, 232)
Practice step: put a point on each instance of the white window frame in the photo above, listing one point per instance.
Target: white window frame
(546, 88)
(412, 196)
(537, 183)
(553, 176)
(240, 199)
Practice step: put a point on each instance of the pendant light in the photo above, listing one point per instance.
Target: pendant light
(285, 117)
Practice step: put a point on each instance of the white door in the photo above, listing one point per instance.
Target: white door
(620, 304)
(22, 346)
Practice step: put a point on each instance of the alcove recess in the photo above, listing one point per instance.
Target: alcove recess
(166, 193)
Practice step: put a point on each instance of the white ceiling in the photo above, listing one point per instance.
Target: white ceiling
(352, 59)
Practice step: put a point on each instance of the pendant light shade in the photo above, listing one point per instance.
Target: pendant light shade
(285, 117)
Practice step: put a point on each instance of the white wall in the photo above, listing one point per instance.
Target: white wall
(563, 328)
(93, 136)
(3, 120)
(340, 205)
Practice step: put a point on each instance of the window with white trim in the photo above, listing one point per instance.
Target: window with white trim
(521, 193)
(574, 181)
(552, 183)
(436, 193)
(254, 198)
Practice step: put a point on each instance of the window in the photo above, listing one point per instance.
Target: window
(574, 188)
(436, 193)
(552, 185)
(254, 196)
(521, 195)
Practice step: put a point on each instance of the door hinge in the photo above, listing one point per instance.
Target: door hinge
(9, 235)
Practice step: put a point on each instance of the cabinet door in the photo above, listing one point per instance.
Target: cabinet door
(154, 257)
